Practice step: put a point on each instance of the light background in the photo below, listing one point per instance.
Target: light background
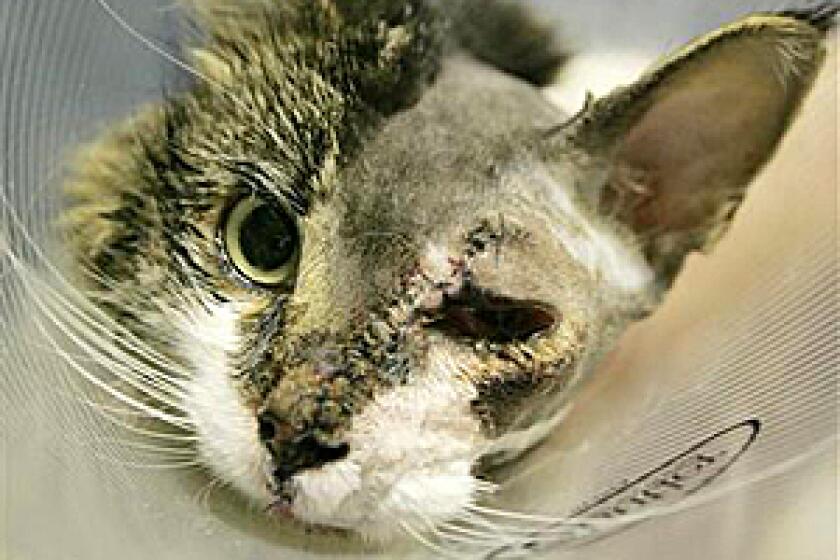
(748, 331)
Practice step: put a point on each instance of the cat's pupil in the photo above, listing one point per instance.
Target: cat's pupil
(267, 238)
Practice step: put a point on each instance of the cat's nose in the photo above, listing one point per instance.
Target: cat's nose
(480, 314)
(293, 452)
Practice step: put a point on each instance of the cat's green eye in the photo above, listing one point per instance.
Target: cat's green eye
(261, 241)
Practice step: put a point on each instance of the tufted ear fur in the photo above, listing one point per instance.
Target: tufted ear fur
(683, 142)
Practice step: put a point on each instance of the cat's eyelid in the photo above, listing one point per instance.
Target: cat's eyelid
(258, 182)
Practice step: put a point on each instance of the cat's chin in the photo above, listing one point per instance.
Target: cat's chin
(385, 508)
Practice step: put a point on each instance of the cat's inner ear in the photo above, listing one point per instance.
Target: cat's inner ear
(684, 141)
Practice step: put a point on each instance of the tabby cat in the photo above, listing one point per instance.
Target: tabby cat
(367, 260)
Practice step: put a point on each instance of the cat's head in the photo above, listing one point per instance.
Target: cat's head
(381, 263)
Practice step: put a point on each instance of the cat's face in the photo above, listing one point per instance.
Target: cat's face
(383, 268)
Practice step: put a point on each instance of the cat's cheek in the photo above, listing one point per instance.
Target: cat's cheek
(226, 429)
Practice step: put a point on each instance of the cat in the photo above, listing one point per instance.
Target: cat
(368, 261)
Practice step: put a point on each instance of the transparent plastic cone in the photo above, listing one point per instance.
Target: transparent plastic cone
(709, 433)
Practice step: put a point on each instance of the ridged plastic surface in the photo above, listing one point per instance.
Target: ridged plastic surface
(731, 386)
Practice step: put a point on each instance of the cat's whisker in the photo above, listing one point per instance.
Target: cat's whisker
(153, 389)
(152, 412)
(487, 531)
(429, 525)
(116, 447)
(202, 495)
(493, 533)
(60, 309)
(156, 450)
(96, 333)
(236, 100)
(543, 529)
(490, 527)
(170, 466)
(458, 534)
(112, 415)
(145, 380)
(93, 331)
(425, 541)
(417, 512)
(174, 371)
(509, 514)
(95, 314)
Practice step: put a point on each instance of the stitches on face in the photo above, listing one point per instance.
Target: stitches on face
(310, 388)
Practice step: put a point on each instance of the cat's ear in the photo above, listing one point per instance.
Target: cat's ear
(683, 142)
